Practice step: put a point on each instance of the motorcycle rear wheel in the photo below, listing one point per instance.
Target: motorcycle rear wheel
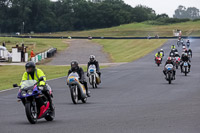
(51, 115)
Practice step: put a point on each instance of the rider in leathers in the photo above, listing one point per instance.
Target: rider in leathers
(185, 58)
(94, 62)
(33, 73)
(169, 61)
(79, 70)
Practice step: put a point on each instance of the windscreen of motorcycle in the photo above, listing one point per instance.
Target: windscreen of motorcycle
(28, 83)
(73, 74)
(169, 66)
(92, 68)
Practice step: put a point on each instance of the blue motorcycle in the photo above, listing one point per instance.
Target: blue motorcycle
(36, 103)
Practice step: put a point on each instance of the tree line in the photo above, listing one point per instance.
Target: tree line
(63, 15)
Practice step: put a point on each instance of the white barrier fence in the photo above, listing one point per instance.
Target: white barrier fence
(39, 57)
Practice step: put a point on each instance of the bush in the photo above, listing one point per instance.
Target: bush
(198, 19)
(165, 21)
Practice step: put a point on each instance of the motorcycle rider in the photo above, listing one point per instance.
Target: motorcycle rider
(93, 61)
(75, 68)
(172, 54)
(173, 47)
(185, 58)
(190, 52)
(188, 43)
(169, 61)
(33, 73)
(159, 54)
(176, 54)
(178, 43)
(182, 41)
(162, 51)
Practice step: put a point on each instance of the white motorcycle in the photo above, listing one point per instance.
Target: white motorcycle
(94, 78)
(78, 91)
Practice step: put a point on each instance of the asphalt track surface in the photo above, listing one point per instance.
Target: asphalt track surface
(133, 98)
(80, 50)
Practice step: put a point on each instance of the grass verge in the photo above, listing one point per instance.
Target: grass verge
(129, 50)
(38, 45)
(137, 29)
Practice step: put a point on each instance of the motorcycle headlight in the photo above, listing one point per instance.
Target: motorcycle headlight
(30, 92)
(23, 93)
(41, 87)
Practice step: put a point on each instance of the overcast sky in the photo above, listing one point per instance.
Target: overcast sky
(164, 6)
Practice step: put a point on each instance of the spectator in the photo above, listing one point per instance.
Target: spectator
(23, 53)
(32, 54)
(4, 44)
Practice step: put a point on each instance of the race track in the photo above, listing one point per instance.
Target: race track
(133, 98)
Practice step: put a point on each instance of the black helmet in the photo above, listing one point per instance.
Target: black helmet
(158, 52)
(30, 67)
(74, 65)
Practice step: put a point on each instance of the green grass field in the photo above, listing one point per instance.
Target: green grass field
(38, 45)
(137, 29)
(129, 50)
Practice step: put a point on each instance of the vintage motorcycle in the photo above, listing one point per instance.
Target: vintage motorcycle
(94, 78)
(77, 90)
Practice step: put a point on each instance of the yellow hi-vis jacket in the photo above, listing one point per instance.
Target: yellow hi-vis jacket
(156, 55)
(173, 47)
(37, 74)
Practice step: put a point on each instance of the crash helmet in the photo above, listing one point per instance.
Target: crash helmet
(74, 65)
(30, 67)
(92, 58)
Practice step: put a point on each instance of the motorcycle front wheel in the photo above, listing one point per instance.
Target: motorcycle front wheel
(169, 78)
(185, 71)
(31, 112)
(74, 94)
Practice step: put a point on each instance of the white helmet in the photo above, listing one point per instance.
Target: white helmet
(92, 58)
(161, 49)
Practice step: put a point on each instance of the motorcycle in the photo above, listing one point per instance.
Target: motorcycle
(188, 45)
(178, 43)
(185, 70)
(189, 54)
(77, 90)
(94, 78)
(182, 42)
(158, 61)
(169, 73)
(30, 94)
(177, 61)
